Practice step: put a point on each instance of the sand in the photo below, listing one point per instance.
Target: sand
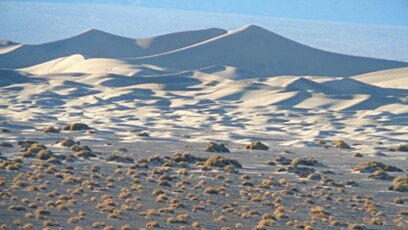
(177, 92)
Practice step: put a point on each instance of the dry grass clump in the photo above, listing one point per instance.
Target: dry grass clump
(5, 144)
(319, 213)
(186, 157)
(266, 221)
(152, 224)
(121, 159)
(307, 161)
(182, 171)
(161, 198)
(68, 142)
(257, 145)
(400, 184)
(380, 175)
(340, 144)
(85, 154)
(282, 160)
(217, 148)
(38, 151)
(212, 190)
(196, 225)
(398, 148)
(353, 226)
(357, 154)
(50, 129)
(372, 166)
(126, 227)
(28, 226)
(400, 200)
(222, 162)
(40, 213)
(180, 219)
(143, 134)
(76, 127)
(279, 213)
(98, 224)
(230, 169)
(247, 184)
(373, 220)
(17, 207)
(9, 165)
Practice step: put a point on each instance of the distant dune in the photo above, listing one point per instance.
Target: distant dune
(255, 49)
(98, 44)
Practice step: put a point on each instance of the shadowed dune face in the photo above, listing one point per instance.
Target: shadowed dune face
(257, 50)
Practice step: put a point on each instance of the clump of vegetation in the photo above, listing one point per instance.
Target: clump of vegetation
(372, 166)
(400, 184)
(5, 144)
(82, 151)
(282, 160)
(143, 134)
(85, 154)
(318, 212)
(230, 169)
(308, 161)
(380, 175)
(152, 224)
(50, 129)
(398, 148)
(257, 145)
(217, 148)
(353, 226)
(357, 154)
(212, 190)
(68, 142)
(121, 159)
(38, 151)
(186, 157)
(340, 144)
(76, 127)
(222, 162)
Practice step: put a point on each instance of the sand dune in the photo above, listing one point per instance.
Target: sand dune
(394, 78)
(260, 51)
(214, 89)
(94, 44)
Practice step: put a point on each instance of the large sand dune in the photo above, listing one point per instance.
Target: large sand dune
(260, 51)
(94, 43)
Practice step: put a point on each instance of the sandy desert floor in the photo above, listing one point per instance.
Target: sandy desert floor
(335, 127)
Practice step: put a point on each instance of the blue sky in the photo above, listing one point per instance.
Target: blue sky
(383, 12)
